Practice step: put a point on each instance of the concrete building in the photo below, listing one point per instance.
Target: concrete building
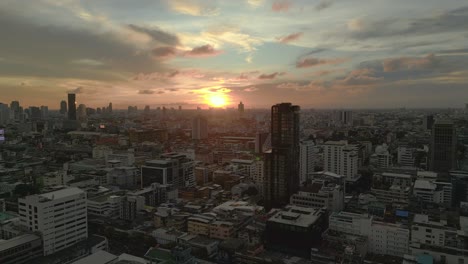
(295, 230)
(156, 193)
(406, 156)
(392, 187)
(130, 205)
(20, 249)
(383, 238)
(323, 192)
(172, 168)
(435, 237)
(310, 157)
(107, 205)
(433, 191)
(342, 159)
(61, 217)
(381, 158)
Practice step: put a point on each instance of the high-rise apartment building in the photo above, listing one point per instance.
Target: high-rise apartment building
(344, 117)
(60, 216)
(71, 106)
(63, 107)
(443, 146)
(282, 162)
(341, 158)
(199, 128)
(309, 158)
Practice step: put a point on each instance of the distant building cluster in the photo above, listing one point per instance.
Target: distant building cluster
(285, 185)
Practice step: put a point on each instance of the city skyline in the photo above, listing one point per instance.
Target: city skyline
(318, 54)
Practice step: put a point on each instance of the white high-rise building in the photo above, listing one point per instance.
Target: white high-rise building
(383, 238)
(309, 158)
(381, 158)
(61, 217)
(341, 158)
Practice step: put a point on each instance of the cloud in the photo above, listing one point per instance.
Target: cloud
(410, 63)
(268, 76)
(203, 51)
(230, 34)
(193, 7)
(281, 5)
(311, 62)
(290, 37)
(323, 4)
(88, 62)
(447, 21)
(146, 91)
(312, 86)
(157, 34)
(361, 77)
(77, 90)
(164, 52)
(255, 3)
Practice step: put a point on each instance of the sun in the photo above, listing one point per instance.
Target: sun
(217, 100)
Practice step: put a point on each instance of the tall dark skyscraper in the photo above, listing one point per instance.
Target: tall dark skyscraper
(240, 109)
(443, 146)
(428, 122)
(63, 107)
(282, 162)
(199, 128)
(71, 106)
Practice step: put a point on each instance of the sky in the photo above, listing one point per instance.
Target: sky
(314, 53)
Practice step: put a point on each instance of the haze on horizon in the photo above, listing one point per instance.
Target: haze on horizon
(315, 53)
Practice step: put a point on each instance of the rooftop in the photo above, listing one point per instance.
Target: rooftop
(298, 216)
(16, 241)
(99, 257)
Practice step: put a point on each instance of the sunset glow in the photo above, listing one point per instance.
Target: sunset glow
(217, 100)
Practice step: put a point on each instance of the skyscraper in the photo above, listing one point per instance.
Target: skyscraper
(71, 106)
(428, 122)
(199, 128)
(109, 109)
(240, 109)
(63, 107)
(282, 162)
(443, 146)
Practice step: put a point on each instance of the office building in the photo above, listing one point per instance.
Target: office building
(282, 161)
(60, 216)
(295, 230)
(326, 192)
(428, 122)
(81, 113)
(383, 238)
(442, 240)
(433, 191)
(71, 106)
(199, 128)
(392, 188)
(443, 148)
(381, 158)
(344, 117)
(172, 168)
(341, 158)
(130, 205)
(260, 140)
(21, 249)
(63, 107)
